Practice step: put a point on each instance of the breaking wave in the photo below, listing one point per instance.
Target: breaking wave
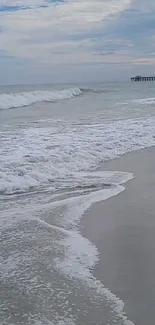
(144, 101)
(41, 158)
(13, 100)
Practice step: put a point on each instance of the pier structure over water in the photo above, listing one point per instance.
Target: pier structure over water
(140, 78)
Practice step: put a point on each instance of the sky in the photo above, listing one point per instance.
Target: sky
(76, 40)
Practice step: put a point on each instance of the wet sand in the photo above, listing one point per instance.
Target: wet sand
(123, 229)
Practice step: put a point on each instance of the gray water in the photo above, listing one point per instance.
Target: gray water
(50, 148)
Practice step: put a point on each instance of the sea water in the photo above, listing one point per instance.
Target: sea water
(53, 138)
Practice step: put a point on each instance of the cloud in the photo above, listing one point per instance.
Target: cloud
(132, 31)
(11, 5)
(52, 33)
(44, 32)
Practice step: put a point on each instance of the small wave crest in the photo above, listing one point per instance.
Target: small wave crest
(96, 90)
(144, 101)
(14, 100)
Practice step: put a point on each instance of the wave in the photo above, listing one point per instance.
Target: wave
(95, 90)
(27, 98)
(14, 100)
(144, 101)
(73, 256)
(46, 158)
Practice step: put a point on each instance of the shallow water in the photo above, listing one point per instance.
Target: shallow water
(49, 152)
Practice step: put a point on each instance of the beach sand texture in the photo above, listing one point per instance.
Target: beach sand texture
(123, 229)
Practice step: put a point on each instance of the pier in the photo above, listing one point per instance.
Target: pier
(140, 78)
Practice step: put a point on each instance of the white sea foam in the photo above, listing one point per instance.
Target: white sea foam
(38, 158)
(80, 255)
(61, 159)
(12, 100)
(144, 101)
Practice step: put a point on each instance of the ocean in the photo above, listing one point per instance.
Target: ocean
(53, 140)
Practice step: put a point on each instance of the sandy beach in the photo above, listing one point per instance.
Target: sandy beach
(123, 229)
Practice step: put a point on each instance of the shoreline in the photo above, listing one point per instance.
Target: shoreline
(123, 230)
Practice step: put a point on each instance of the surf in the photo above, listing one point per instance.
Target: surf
(15, 100)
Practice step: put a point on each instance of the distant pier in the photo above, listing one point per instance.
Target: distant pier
(140, 78)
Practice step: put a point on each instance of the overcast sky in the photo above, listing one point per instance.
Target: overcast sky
(75, 40)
